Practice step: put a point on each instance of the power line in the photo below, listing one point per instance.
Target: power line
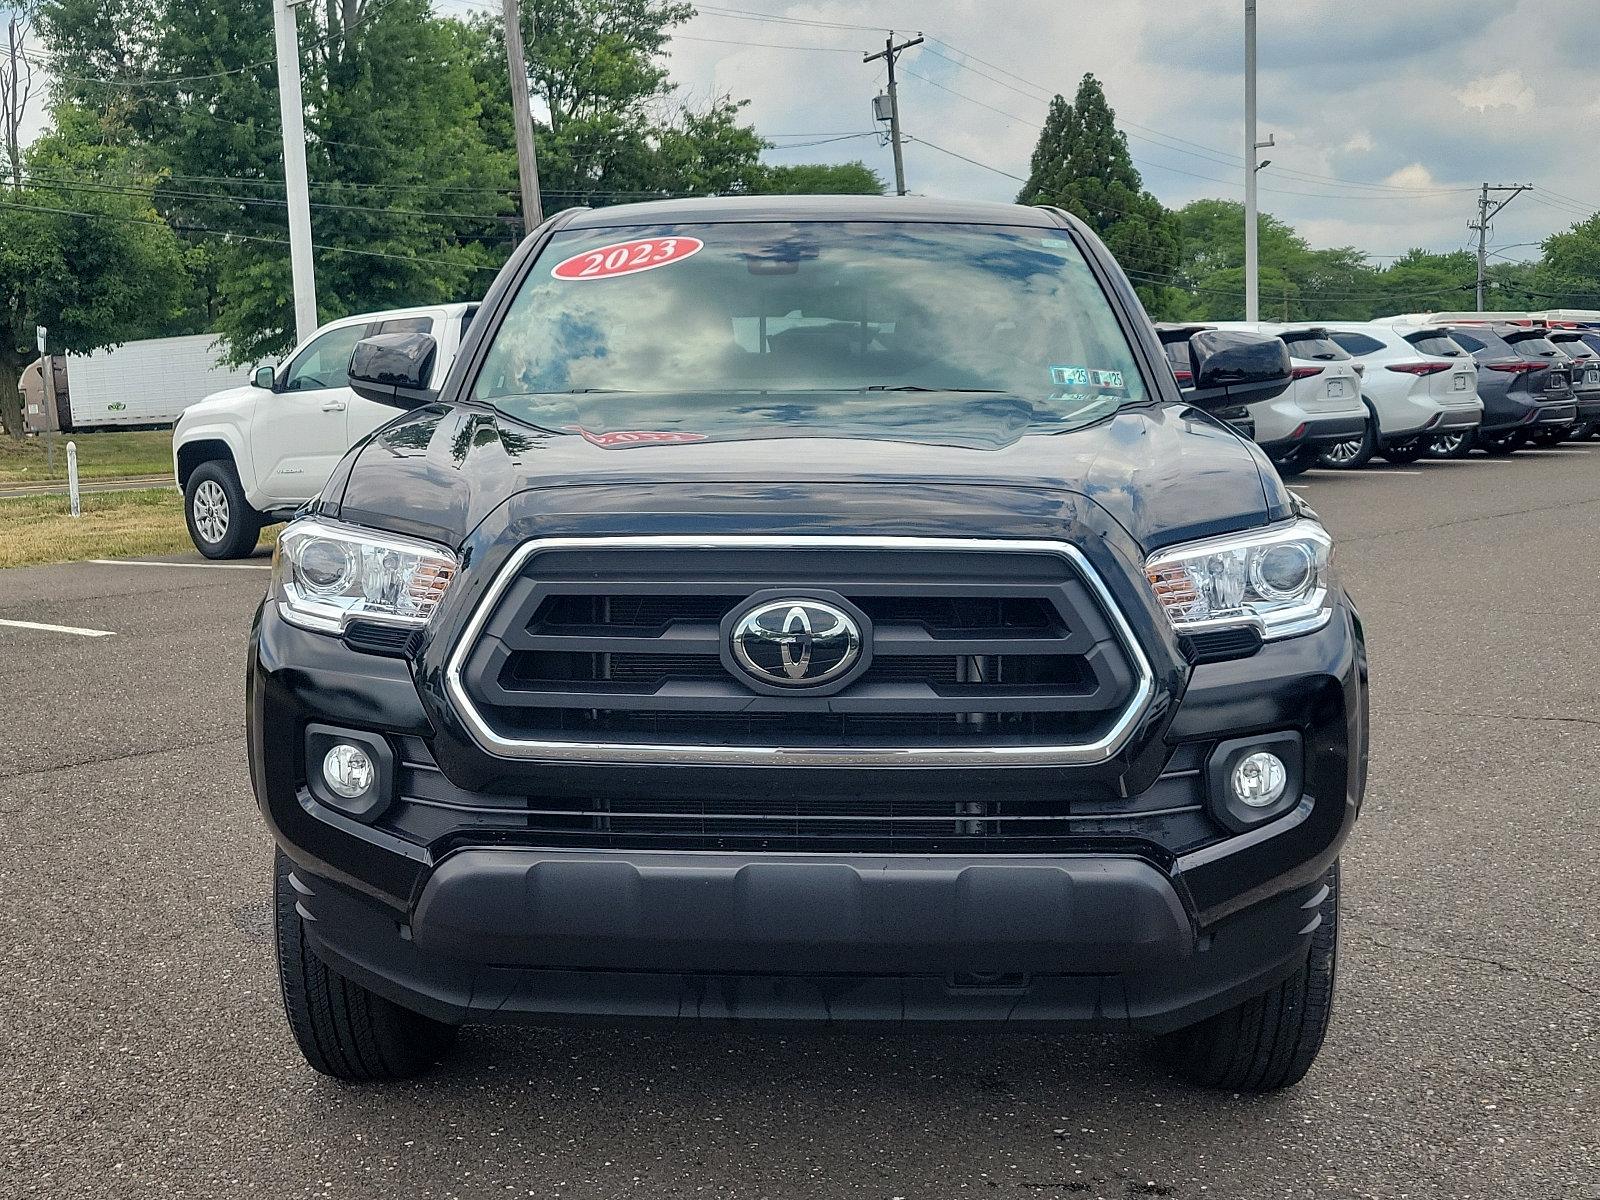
(688, 37)
(745, 14)
(243, 237)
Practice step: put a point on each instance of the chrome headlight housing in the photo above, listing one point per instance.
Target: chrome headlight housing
(325, 575)
(1279, 580)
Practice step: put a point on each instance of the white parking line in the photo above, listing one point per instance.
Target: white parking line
(1364, 471)
(134, 562)
(59, 628)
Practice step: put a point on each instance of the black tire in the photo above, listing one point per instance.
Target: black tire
(1500, 445)
(1296, 462)
(1356, 452)
(1405, 452)
(1451, 445)
(1270, 1041)
(342, 1029)
(221, 522)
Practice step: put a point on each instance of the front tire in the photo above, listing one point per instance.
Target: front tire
(342, 1029)
(221, 522)
(1269, 1041)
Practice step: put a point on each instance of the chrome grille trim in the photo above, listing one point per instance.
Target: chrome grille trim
(636, 753)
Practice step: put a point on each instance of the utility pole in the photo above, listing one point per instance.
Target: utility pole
(16, 85)
(1485, 213)
(291, 112)
(1252, 265)
(888, 53)
(522, 117)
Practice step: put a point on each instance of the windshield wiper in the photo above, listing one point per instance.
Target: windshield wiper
(917, 387)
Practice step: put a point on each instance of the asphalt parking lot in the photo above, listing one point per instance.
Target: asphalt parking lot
(147, 1055)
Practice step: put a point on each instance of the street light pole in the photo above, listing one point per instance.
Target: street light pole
(1252, 267)
(292, 116)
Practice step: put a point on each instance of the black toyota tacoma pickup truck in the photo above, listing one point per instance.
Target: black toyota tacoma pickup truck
(810, 610)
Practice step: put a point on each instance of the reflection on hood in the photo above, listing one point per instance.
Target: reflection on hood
(976, 422)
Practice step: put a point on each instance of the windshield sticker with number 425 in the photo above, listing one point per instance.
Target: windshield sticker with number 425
(627, 258)
(1087, 377)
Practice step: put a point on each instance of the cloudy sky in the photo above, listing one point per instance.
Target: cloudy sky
(1387, 115)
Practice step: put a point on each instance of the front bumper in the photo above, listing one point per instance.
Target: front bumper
(531, 935)
(473, 923)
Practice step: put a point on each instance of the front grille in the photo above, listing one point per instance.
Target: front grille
(587, 649)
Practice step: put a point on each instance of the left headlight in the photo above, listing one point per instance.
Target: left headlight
(325, 575)
(1278, 579)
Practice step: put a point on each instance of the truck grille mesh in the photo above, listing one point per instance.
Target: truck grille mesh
(969, 648)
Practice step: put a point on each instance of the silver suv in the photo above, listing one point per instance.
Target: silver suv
(1418, 386)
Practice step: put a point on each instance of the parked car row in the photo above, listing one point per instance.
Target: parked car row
(1430, 384)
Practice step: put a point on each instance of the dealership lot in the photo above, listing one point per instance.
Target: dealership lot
(148, 1057)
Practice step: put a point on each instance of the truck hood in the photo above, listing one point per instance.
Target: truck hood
(1165, 475)
(228, 402)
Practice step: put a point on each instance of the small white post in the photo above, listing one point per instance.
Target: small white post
(72, 478)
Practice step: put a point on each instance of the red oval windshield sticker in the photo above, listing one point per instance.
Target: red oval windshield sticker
(626, 258)
(638, 437)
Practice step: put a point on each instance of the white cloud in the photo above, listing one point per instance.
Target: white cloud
(1503, 89)
(1413, 175)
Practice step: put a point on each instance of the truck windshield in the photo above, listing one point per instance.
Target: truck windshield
(822, 328)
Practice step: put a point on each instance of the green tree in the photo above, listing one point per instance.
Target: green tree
(617, 130)
(94, 268)
(411, 203)
(1081, 163)
(821, 179)
(1569, 273)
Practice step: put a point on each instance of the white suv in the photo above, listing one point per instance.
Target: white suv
(1322, 406)
(253, 454)
(1418, 385)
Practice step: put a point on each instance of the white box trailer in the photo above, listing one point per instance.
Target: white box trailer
(147, 382)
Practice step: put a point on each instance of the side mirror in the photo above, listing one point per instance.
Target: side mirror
(394, 368)
(265, 377)
(1234, 367)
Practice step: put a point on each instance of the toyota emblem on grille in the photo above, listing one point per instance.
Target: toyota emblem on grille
(796, 643)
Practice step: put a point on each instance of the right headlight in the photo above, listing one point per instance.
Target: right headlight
(1277, 579)
(326, 574)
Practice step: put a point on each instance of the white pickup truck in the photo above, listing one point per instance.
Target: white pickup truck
(250, 455)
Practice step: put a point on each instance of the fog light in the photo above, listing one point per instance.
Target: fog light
(348, 770)
(1259, 779)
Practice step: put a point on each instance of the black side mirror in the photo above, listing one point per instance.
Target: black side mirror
(394, 368)
(1234, 367)
(265, 377)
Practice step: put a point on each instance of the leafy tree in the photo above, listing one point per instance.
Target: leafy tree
(617, 129)
(410, 201)
(1569, 275)
(1081, 163)
(92, 280)
(821, 179)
